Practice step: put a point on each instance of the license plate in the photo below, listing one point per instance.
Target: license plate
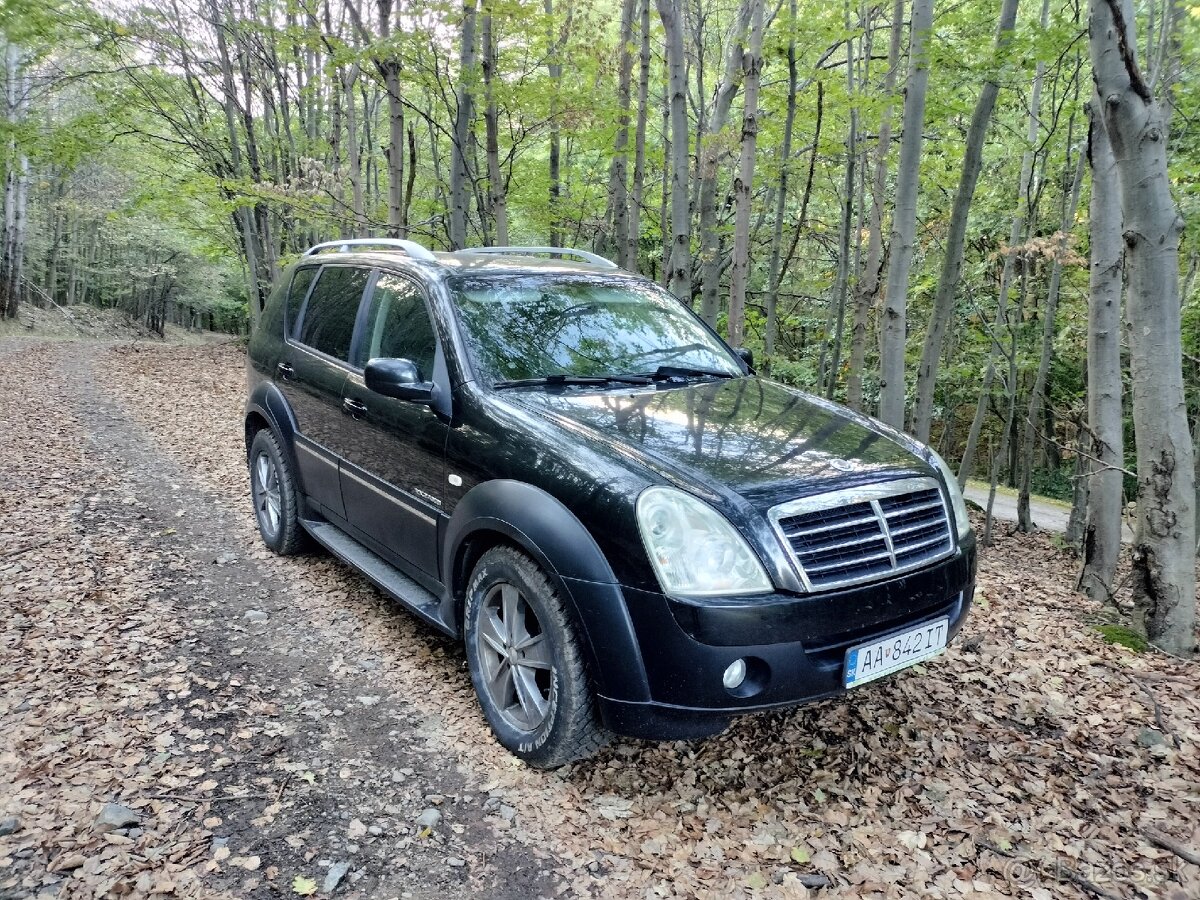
(867, 662)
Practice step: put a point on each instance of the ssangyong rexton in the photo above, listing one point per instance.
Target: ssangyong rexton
(559, 462)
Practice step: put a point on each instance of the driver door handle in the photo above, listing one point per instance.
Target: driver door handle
(355, 408)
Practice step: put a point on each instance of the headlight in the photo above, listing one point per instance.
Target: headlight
(694, 549)
(956, 497)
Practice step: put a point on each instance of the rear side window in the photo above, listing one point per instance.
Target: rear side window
(397, 325)
(327, 323)
(302, 280)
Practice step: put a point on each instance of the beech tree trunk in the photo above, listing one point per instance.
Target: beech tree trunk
(740, 270)
(618, 170)
(678, 265)
(394, 150)
(1164, 552)
(1105, 444)
(16, 184)
(904, 222)
(785, 161)
(497, 195)
(952, 260)
(709, 155)
(630, 260)
(460, 172)
(832, 344)
(867, 291)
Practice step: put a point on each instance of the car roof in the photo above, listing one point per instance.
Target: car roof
(466, 262)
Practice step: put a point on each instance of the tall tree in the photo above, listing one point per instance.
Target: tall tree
(678, 265)
(867, 289)
(893, 337)
(618, 170)
(709, 154)
(460, 170)
(16, 180)
(1102, 531)
(740, 271)
(1164, 553)
(630, 260)
(497, 196)
(952, 260)
(781, 197)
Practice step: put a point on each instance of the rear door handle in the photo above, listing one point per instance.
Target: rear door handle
(285, 371)
(355, 408)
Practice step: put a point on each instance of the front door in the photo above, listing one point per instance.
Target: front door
(392, 469)
(312, 375)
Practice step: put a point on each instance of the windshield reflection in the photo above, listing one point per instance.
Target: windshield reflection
(532, 326)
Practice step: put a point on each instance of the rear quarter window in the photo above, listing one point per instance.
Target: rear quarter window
(327, 320)
(302, 280)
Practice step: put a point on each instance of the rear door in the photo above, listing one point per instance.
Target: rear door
(392, 473)
(312, 373)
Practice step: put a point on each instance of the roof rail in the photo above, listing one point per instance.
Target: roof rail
(413, 249)
(586, 256)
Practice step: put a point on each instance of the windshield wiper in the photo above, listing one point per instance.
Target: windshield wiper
(573, 379)
(667, 372)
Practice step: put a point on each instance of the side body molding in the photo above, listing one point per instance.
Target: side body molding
(532, 519)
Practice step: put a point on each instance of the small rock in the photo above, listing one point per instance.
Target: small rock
(255, 615)
(507, 813)
(114, 816)
(225, 559)
(455, 862)
(1149, 737)
(336, 873)
(368, 701)
(393, 810)
(374, 830)
(429, 818)
(10, 825)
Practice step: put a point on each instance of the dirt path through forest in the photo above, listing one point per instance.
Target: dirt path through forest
(269, 721)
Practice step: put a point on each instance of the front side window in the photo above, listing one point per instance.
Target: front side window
(531, 326)
(397, 326)
(328, 319)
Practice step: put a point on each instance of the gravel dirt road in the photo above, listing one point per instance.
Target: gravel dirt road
(183, 714)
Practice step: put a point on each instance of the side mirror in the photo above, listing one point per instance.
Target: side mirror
(397, 378)
(746, 355)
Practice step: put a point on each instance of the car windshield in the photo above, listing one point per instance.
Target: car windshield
(534, 326)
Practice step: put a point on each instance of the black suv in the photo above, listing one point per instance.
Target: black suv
(561, 463)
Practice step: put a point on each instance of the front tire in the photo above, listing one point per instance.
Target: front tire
(526, 664)
(273, 489)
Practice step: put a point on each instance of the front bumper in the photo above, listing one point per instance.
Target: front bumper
(799, 641)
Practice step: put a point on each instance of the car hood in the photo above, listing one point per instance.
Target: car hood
(761, 439)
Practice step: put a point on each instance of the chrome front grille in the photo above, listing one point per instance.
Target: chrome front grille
(867, 533)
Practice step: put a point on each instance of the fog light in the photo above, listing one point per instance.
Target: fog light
(734, 675)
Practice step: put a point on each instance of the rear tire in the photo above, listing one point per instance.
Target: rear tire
(526, 664)
(273, 490)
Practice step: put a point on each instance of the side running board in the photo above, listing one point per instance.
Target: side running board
(381, 573)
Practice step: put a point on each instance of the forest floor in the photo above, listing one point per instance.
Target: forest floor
(83, 321)
(183, 714)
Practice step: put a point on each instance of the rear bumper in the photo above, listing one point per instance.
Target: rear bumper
(797, 646)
